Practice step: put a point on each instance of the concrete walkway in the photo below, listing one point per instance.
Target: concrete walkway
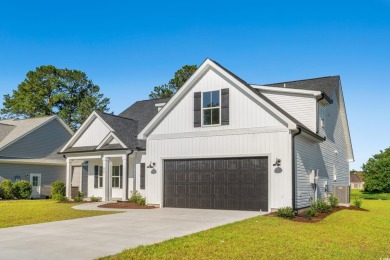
(89, 238)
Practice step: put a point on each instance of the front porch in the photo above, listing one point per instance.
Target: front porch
(108, 176)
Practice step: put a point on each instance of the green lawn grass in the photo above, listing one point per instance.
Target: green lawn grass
(369, 196)
(345, 234)
(25, 212)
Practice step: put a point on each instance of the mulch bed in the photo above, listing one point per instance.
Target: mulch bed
(302, 218)
(125, 205)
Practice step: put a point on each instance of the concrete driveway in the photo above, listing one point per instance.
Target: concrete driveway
(89, 238)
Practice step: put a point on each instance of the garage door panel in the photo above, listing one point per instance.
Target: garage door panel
(227, 183)
(170, 189)
(233, 164)
(181, 176)
(205, 176)
(181, 190)
(219, 176)
(219, 190)
(205, 165)
(193, 190)
(193, 176)
(205, 190)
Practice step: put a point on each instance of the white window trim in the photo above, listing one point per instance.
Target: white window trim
(209, 108)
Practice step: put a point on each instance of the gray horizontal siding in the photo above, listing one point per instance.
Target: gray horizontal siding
(322, 156)
(44, 142)
(48, 173)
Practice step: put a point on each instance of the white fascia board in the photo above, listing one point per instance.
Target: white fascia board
(287, 90)
(108, 139)
(82, 129)
(185, 88)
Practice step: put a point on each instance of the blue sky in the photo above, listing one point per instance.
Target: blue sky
(127, 48)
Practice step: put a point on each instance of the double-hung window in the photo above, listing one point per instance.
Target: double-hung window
(117, 176)
(211, 108)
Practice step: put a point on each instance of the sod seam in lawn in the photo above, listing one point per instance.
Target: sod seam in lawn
(25, 212)
(345, 234)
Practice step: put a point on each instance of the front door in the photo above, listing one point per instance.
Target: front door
(35, 180)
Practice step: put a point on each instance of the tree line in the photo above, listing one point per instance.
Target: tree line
(71, 95)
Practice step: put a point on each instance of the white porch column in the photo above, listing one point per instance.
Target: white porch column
(125, 179)
(106, 179)
(68, 184)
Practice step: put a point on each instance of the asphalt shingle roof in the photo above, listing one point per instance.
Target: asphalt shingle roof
(143, 111)
(293, 119)
(327, 85)
(125, 129)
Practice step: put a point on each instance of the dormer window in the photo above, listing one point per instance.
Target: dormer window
(211, 108)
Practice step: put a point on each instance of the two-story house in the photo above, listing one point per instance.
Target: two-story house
(221, 143)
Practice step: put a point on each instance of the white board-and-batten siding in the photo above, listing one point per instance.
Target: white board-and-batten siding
(322, 156)
(93, 135)
(252, 131)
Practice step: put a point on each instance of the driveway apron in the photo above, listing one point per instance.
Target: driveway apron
(89, 238)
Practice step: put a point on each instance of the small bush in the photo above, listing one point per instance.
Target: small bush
(137, 199)
(357, 201)
(321, 206)
(311, 213)
(285, 212)
(22, 189)
(57, 187)
(79, 197)
(7, 189)
(1, 192)
(60, 198)
(95, 199)
(334, 201)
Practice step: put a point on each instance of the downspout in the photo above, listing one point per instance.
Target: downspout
(293, 166)
(317, 116)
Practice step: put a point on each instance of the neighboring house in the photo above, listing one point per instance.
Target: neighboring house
(357, 180)
(29, 151)
(221, 143)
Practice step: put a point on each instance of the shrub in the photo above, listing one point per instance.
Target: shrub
(57, 187)
(60, 198)
(7, 190)
(321, 206)
(285, 212)
(376, 175)
(334, 201)
(96, 199)
(79, 197)
(311, 213)
(22, 189)
(357, 201)
(137, 199)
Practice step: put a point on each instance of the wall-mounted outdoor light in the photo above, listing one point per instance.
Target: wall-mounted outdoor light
(278, 162)
(151, 165)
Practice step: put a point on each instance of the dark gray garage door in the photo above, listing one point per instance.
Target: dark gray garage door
(224, 183)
